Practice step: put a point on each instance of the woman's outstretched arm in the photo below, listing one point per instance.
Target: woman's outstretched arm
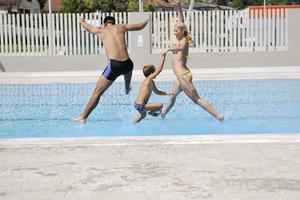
(179, 10)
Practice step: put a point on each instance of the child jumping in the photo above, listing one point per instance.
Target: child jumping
(147, 86)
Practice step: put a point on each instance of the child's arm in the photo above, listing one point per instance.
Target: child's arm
(180, 14)
(158, 92)
(88, 27)
(158, 69)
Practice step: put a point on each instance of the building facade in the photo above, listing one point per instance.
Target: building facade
(19, 6)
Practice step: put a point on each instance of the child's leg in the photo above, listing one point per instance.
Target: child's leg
(155, 113)
(139, 117)
(153, 108)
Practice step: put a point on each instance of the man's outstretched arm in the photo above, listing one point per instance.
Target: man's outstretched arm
(135, 27)
(88, 27)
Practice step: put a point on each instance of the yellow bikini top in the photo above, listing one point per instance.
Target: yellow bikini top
(177, 45)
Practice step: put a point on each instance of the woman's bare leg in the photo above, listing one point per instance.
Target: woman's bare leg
(189, 89)
(102, 85)
(176, 89)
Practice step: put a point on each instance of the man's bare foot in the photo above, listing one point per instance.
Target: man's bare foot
(127, 90)
(80, 119)
(220, 118)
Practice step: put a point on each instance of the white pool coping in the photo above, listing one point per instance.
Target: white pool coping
(235, 73)
(151, 140)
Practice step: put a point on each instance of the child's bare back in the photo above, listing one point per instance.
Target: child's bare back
(145, 91)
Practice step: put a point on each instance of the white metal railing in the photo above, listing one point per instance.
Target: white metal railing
(50, 34)
(224, 31)
(212, 31)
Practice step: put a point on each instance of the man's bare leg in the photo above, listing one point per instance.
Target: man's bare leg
(192, 93)
(127, 78)
(102, 85)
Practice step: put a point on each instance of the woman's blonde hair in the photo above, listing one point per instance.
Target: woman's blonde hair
(186, 33)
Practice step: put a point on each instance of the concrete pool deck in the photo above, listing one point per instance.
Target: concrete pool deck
(180, 167)
(216, 167)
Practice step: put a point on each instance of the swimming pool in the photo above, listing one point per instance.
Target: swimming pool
(258, 106)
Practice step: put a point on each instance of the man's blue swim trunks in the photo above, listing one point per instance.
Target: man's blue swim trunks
(116, 68)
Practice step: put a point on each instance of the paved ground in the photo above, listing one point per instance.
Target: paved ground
(158, 168)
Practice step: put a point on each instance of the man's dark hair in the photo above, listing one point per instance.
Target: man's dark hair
(109, 19)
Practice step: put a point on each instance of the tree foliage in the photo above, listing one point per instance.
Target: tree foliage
(149, 7)
(78, 6)
(73, 6)
(42, 3)
(245, 3)
(133, 6)
(223, 2)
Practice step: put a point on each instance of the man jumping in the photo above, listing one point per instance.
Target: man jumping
(119, 63)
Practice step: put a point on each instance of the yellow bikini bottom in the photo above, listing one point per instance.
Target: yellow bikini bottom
(188, 74)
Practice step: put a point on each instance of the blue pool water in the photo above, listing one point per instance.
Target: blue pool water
(250, 107)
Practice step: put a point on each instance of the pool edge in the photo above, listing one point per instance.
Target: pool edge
(151, 140)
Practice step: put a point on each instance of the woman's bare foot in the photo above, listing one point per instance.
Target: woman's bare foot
(80, 119)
